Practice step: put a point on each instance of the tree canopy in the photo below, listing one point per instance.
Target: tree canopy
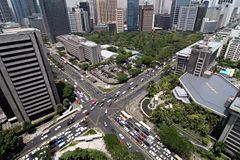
(10, 142)
(122, 77)
(120, 151)
(65, 90)
(83, 154)
(159, 45)
(171, 138)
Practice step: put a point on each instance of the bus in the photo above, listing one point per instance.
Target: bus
(125, 115)
(145, 126)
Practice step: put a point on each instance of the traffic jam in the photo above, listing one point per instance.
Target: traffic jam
(141, 133)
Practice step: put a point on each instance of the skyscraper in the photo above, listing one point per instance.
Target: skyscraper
(187, 18)
(119, 19)
(175, 8)
(75, 20)
(24, 8)
(202, 10)
(5, 12)
(27, 89)
(132, 15)
(146, 18)
(158, 6)
(55, 18)
(233, 50)
(85, 15)
(106, 10)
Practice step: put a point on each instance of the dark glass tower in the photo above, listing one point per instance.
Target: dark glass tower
(132, 15)
(55, 18)
(24, 8)
(5, 12)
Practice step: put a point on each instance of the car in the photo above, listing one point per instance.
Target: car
(117, 93)
(123, 92)
(101, 104)
(85, 112)
(57, 128)
(92, 108)
(105, 124)
(131, 83)
(75, 83)
(142, 80)
(129, 145)
(43, 137)
(108, 101)
(132, 88)
(121, 136)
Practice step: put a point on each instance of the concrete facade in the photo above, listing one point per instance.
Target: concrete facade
(75, 20)
(26, 81)
(146, 18)
(120, 20)
(81, 48)
(233, 50)
(187, 18)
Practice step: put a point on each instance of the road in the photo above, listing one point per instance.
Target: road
(107, 104)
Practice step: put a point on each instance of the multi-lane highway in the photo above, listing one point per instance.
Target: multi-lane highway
(106, 105)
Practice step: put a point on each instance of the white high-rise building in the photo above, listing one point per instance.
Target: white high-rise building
(120, 20)
(187, 18)
(233, 50)
(75, 20)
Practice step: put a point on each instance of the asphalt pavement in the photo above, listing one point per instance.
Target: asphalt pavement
(107, 104)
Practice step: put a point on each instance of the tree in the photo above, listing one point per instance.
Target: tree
(171, 138)
(84, 66)
(65, 90)
(112, 49)
(219, 147)
(121, 58)
(134, 72)
(122, 77)
(83, 154)
(66, 103)
(59, 108)
(10, 143)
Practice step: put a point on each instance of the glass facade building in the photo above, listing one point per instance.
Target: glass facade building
(132, 15)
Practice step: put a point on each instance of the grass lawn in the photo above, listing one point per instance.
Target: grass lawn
(89, 132)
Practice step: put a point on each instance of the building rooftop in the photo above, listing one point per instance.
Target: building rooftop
(211, 93)
(107, 54)
(235, 106)
(211, 45)
(180, 94)
(89, 43)
(18, 30)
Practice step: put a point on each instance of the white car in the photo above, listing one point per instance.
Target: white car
(105, 124)
(121, 136)
(123, 92)
(131, 83)
(142, 80)
(109, 100)
(43, 137)
(57, 128)
(92, 108)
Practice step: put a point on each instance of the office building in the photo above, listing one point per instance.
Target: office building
(233, 50)
(55, 18)
(230, 134)
(208, 26)
(175, 8)
(162, 21)
(75, 20)
(37, 22)
(132, 15)
(159, 6)
(120, 20)
(106, 10)
(201, 13)
(227, 8)
(81, 48)
(24, 8)
(5, 12)
(93, 13)
(87, 24)
(187, 18)
(146, 18)
(27, 88)
(199, 59)
(101, 28)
